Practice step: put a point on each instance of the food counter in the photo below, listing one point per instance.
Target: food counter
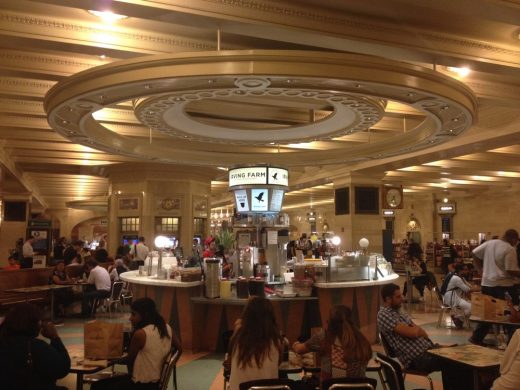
(172, 299)
(201, 321)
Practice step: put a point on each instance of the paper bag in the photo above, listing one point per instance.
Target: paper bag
(103, 340)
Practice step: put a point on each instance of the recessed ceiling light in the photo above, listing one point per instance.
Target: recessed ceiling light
(107, 16)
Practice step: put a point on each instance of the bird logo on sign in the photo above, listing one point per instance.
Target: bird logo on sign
(275, 176)
(260, 196)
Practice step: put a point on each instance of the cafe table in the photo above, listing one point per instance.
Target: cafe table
(35, 289)
(82, 367)
(473, 357)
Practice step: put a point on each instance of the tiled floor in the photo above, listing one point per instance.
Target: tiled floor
(203, 371)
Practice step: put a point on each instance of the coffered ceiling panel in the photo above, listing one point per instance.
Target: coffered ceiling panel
(43, 43)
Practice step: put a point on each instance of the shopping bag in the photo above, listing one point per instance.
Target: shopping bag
(103, 340)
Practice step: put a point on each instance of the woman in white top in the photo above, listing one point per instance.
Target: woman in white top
(256, 344)
(149, 346)
(509, 378)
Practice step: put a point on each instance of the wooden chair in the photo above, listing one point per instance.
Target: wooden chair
(349, 383)
(390, 353)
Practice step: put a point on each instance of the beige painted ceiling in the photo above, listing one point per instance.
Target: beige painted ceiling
(43, 42)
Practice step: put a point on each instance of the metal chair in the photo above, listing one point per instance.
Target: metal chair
(169, 368)
(390, 353)
(115, 296)
(393, 376)
(444, 309)
(268, 384)
(349, 383)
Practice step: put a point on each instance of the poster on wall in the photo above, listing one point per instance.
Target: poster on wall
(241, 201)
(129, 204)
(259, 199)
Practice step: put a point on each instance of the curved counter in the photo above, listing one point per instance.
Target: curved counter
(202, 321)
(172, 299)
(362, 296)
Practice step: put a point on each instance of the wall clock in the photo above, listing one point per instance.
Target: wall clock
(393, 197)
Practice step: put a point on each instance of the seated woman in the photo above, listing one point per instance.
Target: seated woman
(256, 344)
(344, 351)
(151, 342)
(510, 366)
(26, 361)
(63, 297)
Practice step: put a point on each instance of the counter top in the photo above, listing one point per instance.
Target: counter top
(133, 277)
(243, 301)
(358, 283)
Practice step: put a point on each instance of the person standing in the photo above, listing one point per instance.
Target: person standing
(140, 252)
(27, 253)
(71, 253)
(57, 252)
(498, 261)
(449, 254)
(414, 250)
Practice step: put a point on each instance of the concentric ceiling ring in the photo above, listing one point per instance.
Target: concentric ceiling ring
(352, 89)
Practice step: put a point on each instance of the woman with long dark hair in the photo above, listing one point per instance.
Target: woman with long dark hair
(27, 362)
(151, 341)
(343, 349)
(256, 344)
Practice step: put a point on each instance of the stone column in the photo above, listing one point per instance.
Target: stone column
(149, 191)
(355, 225)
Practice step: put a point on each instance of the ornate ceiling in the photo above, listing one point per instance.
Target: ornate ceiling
(366, 89)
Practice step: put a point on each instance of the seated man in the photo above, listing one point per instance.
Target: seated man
(408, 341)
(99, 285)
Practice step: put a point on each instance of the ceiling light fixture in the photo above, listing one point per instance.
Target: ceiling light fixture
(461, 72)
(107, 16)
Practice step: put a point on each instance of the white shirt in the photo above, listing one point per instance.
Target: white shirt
(268, 370)
(141, 251)
(454, 291)
(27, 249)
(498, 257)
(100, 277)
(510, 366)
(149, 360)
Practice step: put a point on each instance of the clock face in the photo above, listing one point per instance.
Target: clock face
(394, 197)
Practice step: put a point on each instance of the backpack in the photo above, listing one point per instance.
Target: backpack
(445, 282)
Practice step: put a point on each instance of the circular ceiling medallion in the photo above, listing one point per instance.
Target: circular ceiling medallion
(345, 113)
(278, 107)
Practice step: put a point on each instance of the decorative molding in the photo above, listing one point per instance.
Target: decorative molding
(327, 20)
(66, 27)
